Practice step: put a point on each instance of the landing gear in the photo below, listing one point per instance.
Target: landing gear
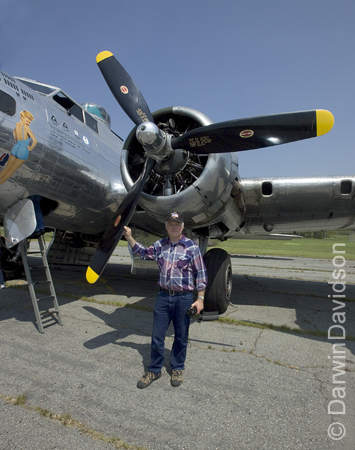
(219, 287)
(11, 262)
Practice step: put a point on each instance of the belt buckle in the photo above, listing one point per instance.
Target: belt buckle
(171, 292)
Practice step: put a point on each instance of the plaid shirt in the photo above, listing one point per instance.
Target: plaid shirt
(180, 265)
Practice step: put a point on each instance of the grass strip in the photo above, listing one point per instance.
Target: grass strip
(269, 326)
(305, 247)
(283, 328)
(68, 421)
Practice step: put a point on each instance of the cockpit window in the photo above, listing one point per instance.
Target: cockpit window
(91, 122)
(98, 111)
(7, 104)
(69, 105)
(38, 87)
(77, 112)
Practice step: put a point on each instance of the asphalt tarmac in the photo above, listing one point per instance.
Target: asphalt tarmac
(249, 384)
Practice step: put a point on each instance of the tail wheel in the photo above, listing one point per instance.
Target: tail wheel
(219, 287)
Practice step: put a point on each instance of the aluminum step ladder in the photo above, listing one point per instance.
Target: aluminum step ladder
(53, 313)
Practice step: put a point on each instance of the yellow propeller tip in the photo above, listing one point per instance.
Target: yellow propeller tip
(325, 121)
(91, 276)
(103, 55)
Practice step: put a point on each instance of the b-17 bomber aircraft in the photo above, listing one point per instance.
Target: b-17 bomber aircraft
(92, 183)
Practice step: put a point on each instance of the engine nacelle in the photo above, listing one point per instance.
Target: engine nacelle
(199, 186)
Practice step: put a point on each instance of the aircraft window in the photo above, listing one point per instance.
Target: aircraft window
(98, 111)
(346, 187)
(69, 105)
(63, 100)
(77, 112)
(7, 104)
(266, 188)
(42, 89)
(91, 122)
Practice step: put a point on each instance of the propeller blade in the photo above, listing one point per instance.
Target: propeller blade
(255, 132)
(123, 88)
(115, 230)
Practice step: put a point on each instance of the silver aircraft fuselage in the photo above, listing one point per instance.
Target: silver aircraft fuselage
(75, 164)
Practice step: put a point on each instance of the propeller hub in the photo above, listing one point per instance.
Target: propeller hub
(154, 141)
(149, 135)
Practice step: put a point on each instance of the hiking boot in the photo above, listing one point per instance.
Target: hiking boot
(176, 378)
(147, 379)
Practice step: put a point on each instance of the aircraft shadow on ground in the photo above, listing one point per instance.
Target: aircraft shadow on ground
(309, 300)
(124, 324)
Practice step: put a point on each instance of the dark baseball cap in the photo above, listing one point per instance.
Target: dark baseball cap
(174, 217)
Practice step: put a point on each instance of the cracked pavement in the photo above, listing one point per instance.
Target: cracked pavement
(248, 384)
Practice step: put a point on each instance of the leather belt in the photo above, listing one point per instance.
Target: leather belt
(172, 293)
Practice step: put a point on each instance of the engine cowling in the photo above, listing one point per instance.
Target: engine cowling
(198, 186)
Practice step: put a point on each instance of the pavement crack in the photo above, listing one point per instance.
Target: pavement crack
(257, 340)
(247, 352)
(255, 281)
(67, 421)
(322, 389)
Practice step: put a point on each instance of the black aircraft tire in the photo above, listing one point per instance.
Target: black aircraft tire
(10, 269)
(219, 287)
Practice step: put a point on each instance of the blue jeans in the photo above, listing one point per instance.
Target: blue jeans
(170, 308)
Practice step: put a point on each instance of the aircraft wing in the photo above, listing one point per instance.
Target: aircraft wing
(272, 208)
(293, 205)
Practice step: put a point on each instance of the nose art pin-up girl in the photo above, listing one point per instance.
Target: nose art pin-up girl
(19, 153)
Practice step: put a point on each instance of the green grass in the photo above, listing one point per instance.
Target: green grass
(306, 247)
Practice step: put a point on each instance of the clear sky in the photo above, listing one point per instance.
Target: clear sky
(227, 58)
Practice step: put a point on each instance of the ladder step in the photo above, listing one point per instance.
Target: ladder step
(43, 317)
(44, 298)
(49, 312)
(41, 282)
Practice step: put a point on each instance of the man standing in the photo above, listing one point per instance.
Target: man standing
(181, 270)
